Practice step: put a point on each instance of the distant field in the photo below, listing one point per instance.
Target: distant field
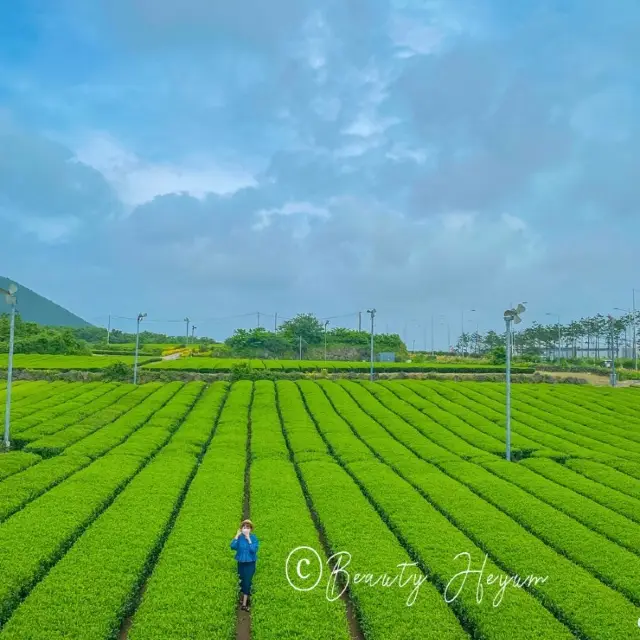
(219, 365)
(67, 363)
(118, 505)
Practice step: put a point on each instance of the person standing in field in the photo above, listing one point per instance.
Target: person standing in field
(245, 544)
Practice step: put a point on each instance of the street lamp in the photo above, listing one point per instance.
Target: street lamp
(135, 362)
(511, 316)
(635, 346)
(11, 300)
(372, 312)
(193, 330)
(187, 320)
(559, 338)
(613, 352)
(326, 322)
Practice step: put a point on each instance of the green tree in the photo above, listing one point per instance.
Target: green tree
(305, 325)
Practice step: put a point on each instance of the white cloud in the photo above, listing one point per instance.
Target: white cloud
(138, 181)
(45, 230)
(514, 223)
(457, 221)
(304, 209)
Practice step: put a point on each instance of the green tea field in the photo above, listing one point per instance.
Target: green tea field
(118, 504)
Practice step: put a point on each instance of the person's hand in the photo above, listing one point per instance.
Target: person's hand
(238, 533)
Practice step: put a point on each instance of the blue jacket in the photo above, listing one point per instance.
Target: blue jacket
(245, 551)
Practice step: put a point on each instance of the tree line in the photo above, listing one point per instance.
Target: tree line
(598, 337)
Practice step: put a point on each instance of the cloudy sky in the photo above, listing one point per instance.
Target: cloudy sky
(213, 159)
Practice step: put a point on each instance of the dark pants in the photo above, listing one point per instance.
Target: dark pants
(246, 571)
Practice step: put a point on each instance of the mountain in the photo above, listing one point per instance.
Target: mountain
(34, 308)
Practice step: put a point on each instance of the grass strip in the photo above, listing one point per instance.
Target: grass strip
(374, 549)
(513, 548)
(55, 443)
(279, 509)
(38, 535)
(435, 543)
(621, 478)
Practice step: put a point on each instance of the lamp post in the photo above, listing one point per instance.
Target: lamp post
(10, 297)
(613, 352)
(187, 320)
(635, 346)
(326, 322)
(511, 316)
(193, 331)
(559, 339)
(135, 361)
(372, 312)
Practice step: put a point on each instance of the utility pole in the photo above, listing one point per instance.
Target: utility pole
(613, 353)
(10, 298)
(433, 349)
(326, 322)
(300, 347)
(258, 319)
(359, 320)
(109, 329)
(510, 316)
(135, 361)
(373, 315)
(275, 324)
(193, 330)
(635, 346)
(187, 333)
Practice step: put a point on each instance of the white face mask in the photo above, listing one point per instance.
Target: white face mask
(246, 530)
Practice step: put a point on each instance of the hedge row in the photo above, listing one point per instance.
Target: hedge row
(358, 530)
(69, 363)
(590, 513)
(602, 427)
(53, 444)
(466, 430)
(569, 429)
(15, 461)
(439, 427)
(397, 427)
(529, 426)
(157, 406)
(276, 498)
(614, 478)
(217, 365)
(196, 564)
(481, 413)
(429, 391)
(20, 489)
(90, 392)
(109, 562)
(20, 389)
(41, 533)
(620, 399)
(613, 565)
(596, 491)
(514, 549)
(43, 397)
(90, 407)
(429, 537)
